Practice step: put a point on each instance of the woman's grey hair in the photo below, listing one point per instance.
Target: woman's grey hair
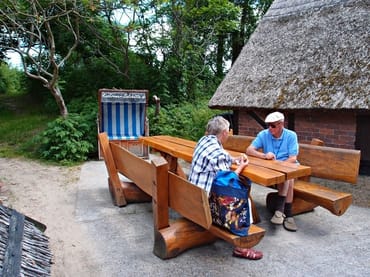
(217, 125)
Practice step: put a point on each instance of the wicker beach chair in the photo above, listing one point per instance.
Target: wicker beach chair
(122, 115)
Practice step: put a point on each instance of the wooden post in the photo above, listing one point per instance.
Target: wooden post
(160, 200)
(171, 239)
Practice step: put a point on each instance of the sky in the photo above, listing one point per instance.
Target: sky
(14, 59)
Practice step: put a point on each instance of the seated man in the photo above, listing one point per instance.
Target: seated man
(210, 157)
(278, 143)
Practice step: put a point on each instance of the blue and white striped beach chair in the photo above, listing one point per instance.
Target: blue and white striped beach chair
(122, 115)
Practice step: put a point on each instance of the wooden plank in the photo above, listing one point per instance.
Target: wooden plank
(335, 201)
(290, 170)
(189, 200)
(172, 148)
(180, 141)
(255, 235)
(261, 175)
(238, 143)
(302, 206)
(257, 174)
(133, 167)
(330, 162)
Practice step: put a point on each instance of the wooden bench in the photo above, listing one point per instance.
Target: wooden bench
(325, 162)
(168, 190)
(328, 163)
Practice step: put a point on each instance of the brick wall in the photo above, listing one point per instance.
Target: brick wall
(336, 129)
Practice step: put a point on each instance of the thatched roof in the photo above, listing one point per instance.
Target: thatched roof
(304, 54)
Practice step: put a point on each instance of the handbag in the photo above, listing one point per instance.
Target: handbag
(229, 202)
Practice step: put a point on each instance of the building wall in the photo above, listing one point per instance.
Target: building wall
(336, 129)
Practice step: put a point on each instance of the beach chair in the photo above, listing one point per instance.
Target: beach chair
(122, 115)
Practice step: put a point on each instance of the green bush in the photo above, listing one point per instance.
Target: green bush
(11, 80)
(87, 107)
(186, 120)
(65, 140)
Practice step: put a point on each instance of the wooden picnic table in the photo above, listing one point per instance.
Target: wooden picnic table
(168, 190)
(262, 172)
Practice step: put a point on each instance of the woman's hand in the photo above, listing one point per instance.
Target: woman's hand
(241, 159)
(242, 163)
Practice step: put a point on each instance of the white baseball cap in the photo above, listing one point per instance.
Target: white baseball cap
(273, 117)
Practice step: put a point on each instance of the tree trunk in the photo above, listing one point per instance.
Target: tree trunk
(55, 91)
(220, 55)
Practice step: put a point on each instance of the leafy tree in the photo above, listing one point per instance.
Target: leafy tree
(186, 38)
(30, 27)
(251, 12)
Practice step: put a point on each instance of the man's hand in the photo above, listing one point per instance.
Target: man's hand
(270, 156)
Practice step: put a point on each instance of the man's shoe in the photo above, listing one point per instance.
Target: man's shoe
(289, 224)
(278, 218)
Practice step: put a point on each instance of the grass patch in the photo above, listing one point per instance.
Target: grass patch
(16, 133)
(20, 121)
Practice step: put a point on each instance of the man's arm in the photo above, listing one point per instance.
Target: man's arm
(292, 159)
(293, 148)
(252, 151)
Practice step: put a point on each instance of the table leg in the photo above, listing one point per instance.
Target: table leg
(174, 165)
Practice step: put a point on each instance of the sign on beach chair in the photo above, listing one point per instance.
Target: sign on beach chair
(122, 115)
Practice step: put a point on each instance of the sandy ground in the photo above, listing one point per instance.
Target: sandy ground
(49, 193)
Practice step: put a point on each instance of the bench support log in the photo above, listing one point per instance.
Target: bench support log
(300, 206)
(180, 236)
(131, 192)
(336, 202)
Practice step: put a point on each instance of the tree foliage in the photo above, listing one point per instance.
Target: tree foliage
(29, 28)
(178, 50)
(11, 80)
